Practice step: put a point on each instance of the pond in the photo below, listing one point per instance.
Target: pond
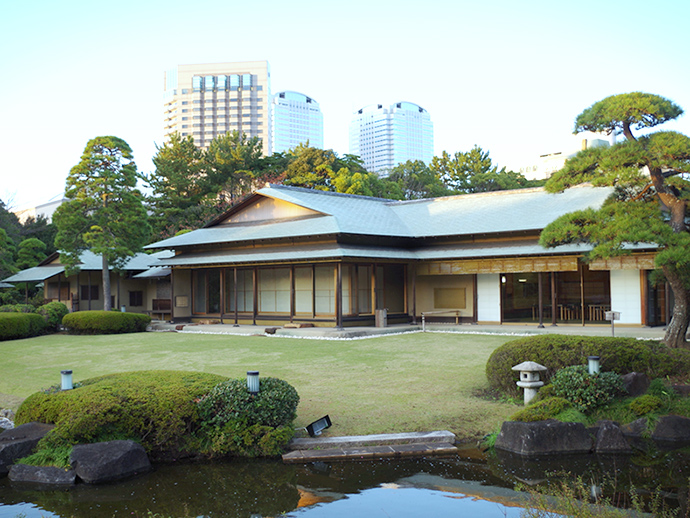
(469, 484)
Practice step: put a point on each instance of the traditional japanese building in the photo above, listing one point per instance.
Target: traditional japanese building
(289, 254)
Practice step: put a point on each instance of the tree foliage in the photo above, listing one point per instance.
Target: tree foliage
(649, 201)
(416, 180)
(103, 211)
(474, 171)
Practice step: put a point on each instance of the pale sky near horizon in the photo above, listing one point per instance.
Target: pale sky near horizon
(508, 76)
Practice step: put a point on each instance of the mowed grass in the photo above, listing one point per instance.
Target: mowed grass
(399, 383)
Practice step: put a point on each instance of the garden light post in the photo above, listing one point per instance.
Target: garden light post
(66, 380)
(593, 364)
(253, 382)
(529, 379)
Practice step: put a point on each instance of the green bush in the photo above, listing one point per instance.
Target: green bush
(547, 409)
(17, 308)
(20, 325)
(645, 404)
(233, 421)
(618, 354)
(161, 410)
(53, 313)
(275, 404)
(156, 408)
(105, 322)
(586, 391)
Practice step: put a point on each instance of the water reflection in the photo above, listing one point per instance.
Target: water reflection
(470, 484)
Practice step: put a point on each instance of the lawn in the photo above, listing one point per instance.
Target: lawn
(410, 382)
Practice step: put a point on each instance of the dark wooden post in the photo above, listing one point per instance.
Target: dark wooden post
(554, 301)
(339, 296)
(541, 301)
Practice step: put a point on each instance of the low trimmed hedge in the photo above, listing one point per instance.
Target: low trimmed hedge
(173, 414)
(620, 355)
(156, 408)
(20, 325)
(105, 322)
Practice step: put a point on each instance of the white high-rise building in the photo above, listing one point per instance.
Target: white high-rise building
(297, 119)
(205, 101)
(385, 137)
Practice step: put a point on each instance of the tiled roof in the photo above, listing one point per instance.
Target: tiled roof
(470, 214)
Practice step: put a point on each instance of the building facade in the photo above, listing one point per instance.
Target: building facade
(296, 119)
(296, 255)
(209, 100)
(387, 136)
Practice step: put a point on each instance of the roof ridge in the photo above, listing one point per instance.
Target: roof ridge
(319, 191)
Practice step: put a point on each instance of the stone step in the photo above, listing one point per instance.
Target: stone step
(370, 452)
(356, 441)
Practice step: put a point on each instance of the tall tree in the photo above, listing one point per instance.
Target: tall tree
(416, 181)
(311, 167)
(474, 171)
(651, 193)
(234, 165)
(41, 228)
(179, 194)
(7, 251)
(103, 211)
(31, 253)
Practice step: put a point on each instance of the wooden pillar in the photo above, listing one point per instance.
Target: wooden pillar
(89, 279)
(60, 287)
(172, 295)
(221, 287)
(255, 288)
(292, 292)
(541, 301)
(554, 300)
(235, 294)
(339, 295)
(414, 295)
(475, 300)
(581, 267)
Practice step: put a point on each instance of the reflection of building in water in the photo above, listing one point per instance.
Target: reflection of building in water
(545, 165)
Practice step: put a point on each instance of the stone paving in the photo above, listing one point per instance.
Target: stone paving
(359, 447)
(330, 333)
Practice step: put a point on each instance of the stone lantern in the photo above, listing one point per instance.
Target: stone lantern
(529, 379)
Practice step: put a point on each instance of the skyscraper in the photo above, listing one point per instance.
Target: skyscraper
(386, 137)
(297, 119)
(205, 101)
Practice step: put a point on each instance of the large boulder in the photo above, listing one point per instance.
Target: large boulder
(610, 438)
(108, 461)
(43, 475)
(672, 430)
(549, 437)
(19, 442)
(636, 383)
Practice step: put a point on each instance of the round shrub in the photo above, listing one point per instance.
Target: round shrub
(53, 313)
(545, 409)
(230, 401)
(586, 391)
(618, 354)
(156, 408)
(105, 322)
(645, 404)
(20, 325)
(233, 421)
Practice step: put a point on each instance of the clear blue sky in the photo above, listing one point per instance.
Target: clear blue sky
(509, 76)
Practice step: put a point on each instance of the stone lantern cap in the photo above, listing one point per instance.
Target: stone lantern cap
(529, 367)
